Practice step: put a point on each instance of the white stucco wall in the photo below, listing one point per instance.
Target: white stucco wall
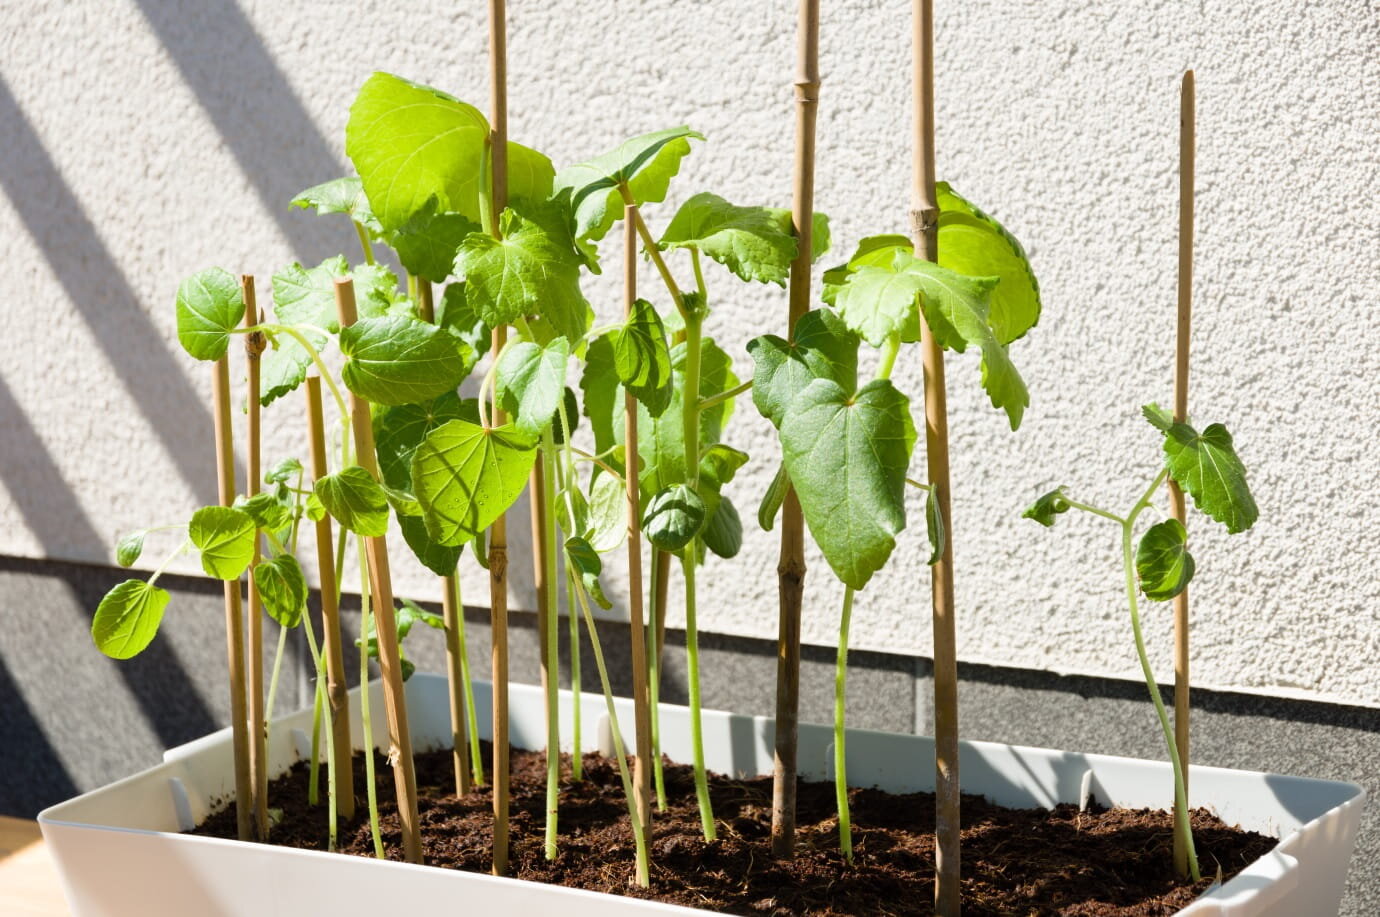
(142, 140)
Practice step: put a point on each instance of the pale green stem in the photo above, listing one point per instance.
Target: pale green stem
(364, 243)
(699, 274)
(889, 351)
(654, 687)
(840, 735)
(487, 217)
(158, 571)
(1096, 511)
(364, 615)
(318, 709)
(586, 457)
(476, 753)
(707, 403)
(273, 680)
(332, 766)
(577, 764)
(553, 718)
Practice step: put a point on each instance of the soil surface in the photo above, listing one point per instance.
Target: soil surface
(1015, 862)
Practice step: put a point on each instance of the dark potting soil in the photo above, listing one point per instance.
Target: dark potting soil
(1015, 861)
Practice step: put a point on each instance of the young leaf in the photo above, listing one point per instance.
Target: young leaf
(530, 383)
(466, 476)
(934, 527)
(282, 589)
(398, 360)
(403, 503)
(847, 457)
(642, 358)
(1163, 562)
(756, 243)
(411, 613)
(602, 393)
(376, 292)
(1159, 418)
(532, 270)
(209, 307)
(587, 563)
(355, 500)
(1047, 507)
(1207, 466)
(570, 405)
(284, 366)
(823, 349)
(225, 537)
(400, 429)
(673, 517)
(127, 618)
(723, 534)
(974, 244)
(340, 195)
(772, 499)
(647, 163)
(283, 472)
(607, 513)
(877, 302)
(129, 548)
(455, 314)
(873, 251)
(306, 295)
(267, 511)
(426, 244)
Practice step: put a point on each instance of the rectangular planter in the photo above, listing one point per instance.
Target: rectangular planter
(120, 854)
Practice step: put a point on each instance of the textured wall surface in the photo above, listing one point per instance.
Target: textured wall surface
(144, 140)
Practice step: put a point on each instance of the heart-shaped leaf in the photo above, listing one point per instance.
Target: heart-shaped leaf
(642, 358)
(466, 476)
(225, 538)
(673, 517)
(1207, 466)
(647, 163)
(756, 243)
(127, 618)
(531, 270)
(209, 306)
(823, 349)
(530, 382)
(355, 500)
(282, 589)
(974, 244)
(400, 360)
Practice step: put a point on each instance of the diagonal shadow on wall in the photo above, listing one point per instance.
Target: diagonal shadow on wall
(102, 296)
(35, 775)
(247, 96)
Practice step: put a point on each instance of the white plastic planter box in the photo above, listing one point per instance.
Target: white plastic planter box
(120, 854)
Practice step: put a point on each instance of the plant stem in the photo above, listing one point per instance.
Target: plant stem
(840, 735)
(332, 764)
(551, 636)
(454, 623)
(364, 243)
(705, 404)
(318, 704)
(364, 688)
(476, 753)
(889, 353)
(1096, 511)
(273, 683)
(654, 252)
(577, 764)
(656, 609)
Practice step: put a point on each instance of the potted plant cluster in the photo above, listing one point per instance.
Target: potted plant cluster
(618, 426)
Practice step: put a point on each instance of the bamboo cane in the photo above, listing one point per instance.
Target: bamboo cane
(337, 686)
(790, 570)
(642, 766)
(234, 619)
(925, 236)
(254, 650)
(498, 531)
(1187, 131)
(385, 622)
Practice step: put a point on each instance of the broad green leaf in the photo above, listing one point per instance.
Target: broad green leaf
(934, 527)
(587, 564)
(403, 503)
(283, 472)
(1159, 418)
(823, 349)
(341, 195)
(772, 499)
(267, 511)
(719, 463)
(355, 500)
(282, 589)
(284, 366)
(642, 358)
(647, 163)
(1207, 466)
(454, 314)
(530, 383)
(974, 244)
(127, 618)
(532, 270)
(756, 243)
(399, 360)
(225, 537)
(209, 306)
(723, 534)
(603, 401)
(129, 548)
(673, 517)
(878, 302)
(1163, 562)
(426, 244)
(314, 508)
(873, 251)
(400, 429)
(306, 295)
(439, 558)
(608, 513)
(466, 476)
(377, 293)
(1047, 507)
(847, 457)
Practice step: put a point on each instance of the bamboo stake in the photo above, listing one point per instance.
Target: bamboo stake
(452, 613)
(385, 623)
(642, 714)
(1187, 138)
(337, 686)
(925, 236)
(254, 650)
(234, 620)
(498, 531)
(790, 570)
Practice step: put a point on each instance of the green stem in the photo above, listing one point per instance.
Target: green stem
(840, 736)
(577, 764)
(699, 274)
(364, 615)
(273, 682)
(889, 351)
(707, 403)
(332, 766)
(1096, 511)
(314, 767)
(553, 718)
(476, 753)
(158, 571)
(654, 687)
(364, 243)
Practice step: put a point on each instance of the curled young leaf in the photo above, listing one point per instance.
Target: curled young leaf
(974, 244)
(283, 472)
(225, 537)
(723, 533)
(642, 358)
(355, 500)
(1047, 507)
(340, 195)
(267, 511)
(129, 548)
(588, 566)
(1162, 561)
(673, 518)
(398, 360)
(127, 618)
(209, 306)
(282, 589)
(772, 499)
(755, 243)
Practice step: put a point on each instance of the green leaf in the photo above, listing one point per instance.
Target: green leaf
(315, 509)
(284, 366)
(303, 295)
(355, 500)
(426, 244)
(1047, 507)
(403, 503)
(129, 548)
(847, 457)
(647, 163)
(588, 565)
(283, 472)
(934, 527)
(455, 314)
(974, 244)
(127, 618)
(607, 513)
(466, 476)
(438, 558)
(282, 589)
(723, 534)
(225, 537)
(756, 243)
(1163, 562)
(530, 271)
(673, 517)
(267, 511)
(772, 499)
(570, 405)
(873, 251)
(878, 302)
(410, 614)
(530, 383)
(642, 358)
(376, 292)
(399, 360)
(1207, 466)
(823, 349)
(400, 429)
(341, 195)
(603, 402)
(1159, 418)
(209, 306)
